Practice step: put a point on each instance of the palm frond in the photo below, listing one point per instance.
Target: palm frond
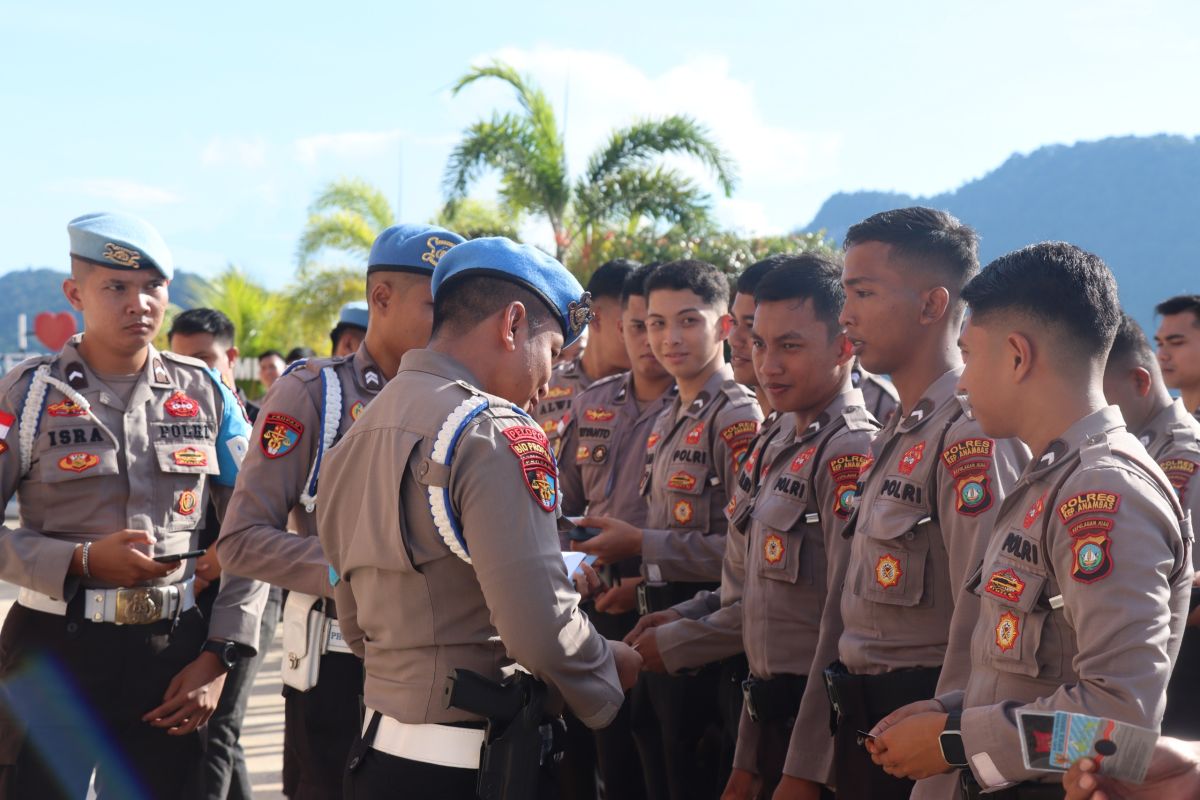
(643, 141)
(359, 196)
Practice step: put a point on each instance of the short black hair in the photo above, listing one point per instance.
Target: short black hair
(752, 275)
(205, 320)
(807, 276)
(466, 299)
(1179, 304)
(269, 353)
(635, 282)
(1057, 283)
(689, 275)
(297, 353)
(926, 234)
(609, 278)
(1130, 345)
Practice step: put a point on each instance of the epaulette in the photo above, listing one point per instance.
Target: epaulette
(887, 387)
(1184, 434)
(859, 419)
(309, 369)
(607, 379)
(14, 375)
(187, 361)
(738, 394)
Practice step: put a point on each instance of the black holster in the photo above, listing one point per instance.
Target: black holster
(520, 738)
(774, 699)
(661, 595)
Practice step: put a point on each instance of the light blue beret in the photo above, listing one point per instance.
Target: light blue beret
(523, 264)
(119, 241)
(354, 313)
(410, 248)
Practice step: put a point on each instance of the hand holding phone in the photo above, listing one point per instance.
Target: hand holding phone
(177, 557)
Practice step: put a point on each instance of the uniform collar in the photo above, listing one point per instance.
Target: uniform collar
(939, 393)
(1087, 430)
(712, 387)
(80, 376)
(1159, 427)
(440, 364)
(846, 399)
(367, 374)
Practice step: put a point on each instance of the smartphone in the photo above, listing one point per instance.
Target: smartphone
(176, 557)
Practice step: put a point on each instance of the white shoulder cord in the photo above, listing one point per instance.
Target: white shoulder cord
(31, 414)
(331, 420)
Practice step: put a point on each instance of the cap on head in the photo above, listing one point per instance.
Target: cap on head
(354, 313)
(119, 241)
(526, 266)
(410, 248)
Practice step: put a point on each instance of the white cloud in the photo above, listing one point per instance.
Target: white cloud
(249, 153)
(121, 191)
(354, 144)
(603, 91)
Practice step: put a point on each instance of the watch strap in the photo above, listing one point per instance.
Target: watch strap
(951, 742)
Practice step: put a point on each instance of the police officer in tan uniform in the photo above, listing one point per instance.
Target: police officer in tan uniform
(437, 511)
(604, 355)
(306, 412)
(601, 470)
(1085, 580)
(693, 454)
(114, 449)
(796, 514)
(930, 493)
(1134, 383)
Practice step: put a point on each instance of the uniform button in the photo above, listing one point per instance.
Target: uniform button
(72, 627)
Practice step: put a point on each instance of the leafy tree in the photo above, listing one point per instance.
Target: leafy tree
(473, 219)
(346, 216)
(625, 183)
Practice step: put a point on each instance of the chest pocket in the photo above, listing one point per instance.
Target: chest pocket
(60, 469)
(687, 496)
(894, 543)
(781, 529)
(182, 466)
(1014, 615)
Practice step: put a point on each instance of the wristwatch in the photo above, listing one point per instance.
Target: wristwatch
(225, 650)
(950, 741)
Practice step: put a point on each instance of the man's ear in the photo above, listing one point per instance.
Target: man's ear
(725, 326)
(845, 348)
(512, 319)
(71, 290)
(232, 354)
(937, 303)
(380, 295)
(1141, 381)
(1019, 354)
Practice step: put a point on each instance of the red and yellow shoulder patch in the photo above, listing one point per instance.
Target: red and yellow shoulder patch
(532, 449)
(846, 470)
(280, 434)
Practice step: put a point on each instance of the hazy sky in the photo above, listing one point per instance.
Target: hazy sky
(220, 122)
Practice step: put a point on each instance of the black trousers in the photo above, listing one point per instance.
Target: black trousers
(677, 728)
(73, 693)
(869, 699)
(320, 725)
(1182, 718)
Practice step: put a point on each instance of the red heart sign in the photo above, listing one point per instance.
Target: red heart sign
(53, 330)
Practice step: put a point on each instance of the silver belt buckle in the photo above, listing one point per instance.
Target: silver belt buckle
(139, 606)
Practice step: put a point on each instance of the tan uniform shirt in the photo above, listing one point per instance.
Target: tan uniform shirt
(879, 395)
(711, 628)
(288, 439)
(604, 448)
(148, 464)
(927, 503)
(1172, 438)
(411, 607)
(554, 411)
(692, 458)
(1084, 593)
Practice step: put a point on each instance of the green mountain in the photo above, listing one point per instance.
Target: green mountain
(34, 290)
(1135, 201)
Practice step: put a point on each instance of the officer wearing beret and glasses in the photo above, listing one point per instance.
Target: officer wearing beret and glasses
(438, 512)
(1085, 580)
(306, 412)
(351, 328)
(114, 450)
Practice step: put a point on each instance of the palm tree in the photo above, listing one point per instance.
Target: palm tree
(347, 216)
(624, 185)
